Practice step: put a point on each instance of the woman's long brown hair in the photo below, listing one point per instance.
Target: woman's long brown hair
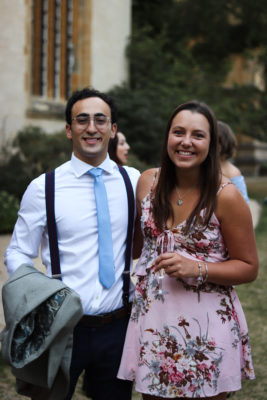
(112, 149)
(210, 177)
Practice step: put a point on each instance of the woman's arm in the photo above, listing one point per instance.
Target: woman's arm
(238, 233)
(143, 187)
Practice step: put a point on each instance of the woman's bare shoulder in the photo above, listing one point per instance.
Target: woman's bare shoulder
(230, 201)
(229, 169)
(145, 182)
(150, 172)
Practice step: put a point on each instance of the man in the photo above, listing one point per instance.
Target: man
(99, 336)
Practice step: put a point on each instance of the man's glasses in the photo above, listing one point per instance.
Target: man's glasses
(100, 120)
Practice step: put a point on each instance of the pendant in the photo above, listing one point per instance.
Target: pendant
(180, 202)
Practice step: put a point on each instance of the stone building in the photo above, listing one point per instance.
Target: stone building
(251, 156)
(49, 48)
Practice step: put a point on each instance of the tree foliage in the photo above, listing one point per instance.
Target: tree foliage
(33, 152)
(9, 206)
(181, 50)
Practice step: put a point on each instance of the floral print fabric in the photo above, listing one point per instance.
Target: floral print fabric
(182, 340)
(32, 331)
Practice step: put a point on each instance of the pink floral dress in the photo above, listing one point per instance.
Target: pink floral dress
(184, 341)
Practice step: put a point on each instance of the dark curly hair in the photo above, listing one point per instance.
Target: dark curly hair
(84, 94)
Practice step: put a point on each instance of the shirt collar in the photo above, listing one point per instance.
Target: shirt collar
(80, 167)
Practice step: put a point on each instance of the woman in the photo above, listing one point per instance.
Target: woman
(118, 149)
(187, 336)
(228, 145)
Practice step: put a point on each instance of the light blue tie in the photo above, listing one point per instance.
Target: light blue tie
(105, 248)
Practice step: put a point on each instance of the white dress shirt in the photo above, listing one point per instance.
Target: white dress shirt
(76, 220)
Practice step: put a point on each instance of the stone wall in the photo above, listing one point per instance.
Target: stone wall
(251, 155)
(13, 96)
(108, 61)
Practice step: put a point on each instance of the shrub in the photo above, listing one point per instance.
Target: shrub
(9, 206)
(33, 152)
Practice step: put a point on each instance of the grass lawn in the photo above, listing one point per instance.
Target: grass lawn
(253, 297)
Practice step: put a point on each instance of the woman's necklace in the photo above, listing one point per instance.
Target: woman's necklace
(180, 200)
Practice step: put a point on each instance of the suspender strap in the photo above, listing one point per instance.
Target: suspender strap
(129, 241)
(51, 223)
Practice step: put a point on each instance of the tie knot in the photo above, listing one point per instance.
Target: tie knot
(95, 172)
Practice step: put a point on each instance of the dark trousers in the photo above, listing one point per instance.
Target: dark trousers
(99, 350)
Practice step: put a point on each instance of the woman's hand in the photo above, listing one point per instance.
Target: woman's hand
(177, 266)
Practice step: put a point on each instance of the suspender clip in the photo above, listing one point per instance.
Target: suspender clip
(56, 276)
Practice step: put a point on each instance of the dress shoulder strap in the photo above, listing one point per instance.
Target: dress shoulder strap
(222, 186)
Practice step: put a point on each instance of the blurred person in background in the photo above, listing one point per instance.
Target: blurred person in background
(228, 146)
(118, 149)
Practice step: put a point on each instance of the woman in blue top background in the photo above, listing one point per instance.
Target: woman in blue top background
(228, 145)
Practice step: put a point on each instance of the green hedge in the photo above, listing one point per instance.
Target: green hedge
(33, 152)
(9, 206)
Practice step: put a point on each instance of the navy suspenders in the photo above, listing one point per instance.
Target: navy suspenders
(129, 240)
(51, 223)
(52, 229)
